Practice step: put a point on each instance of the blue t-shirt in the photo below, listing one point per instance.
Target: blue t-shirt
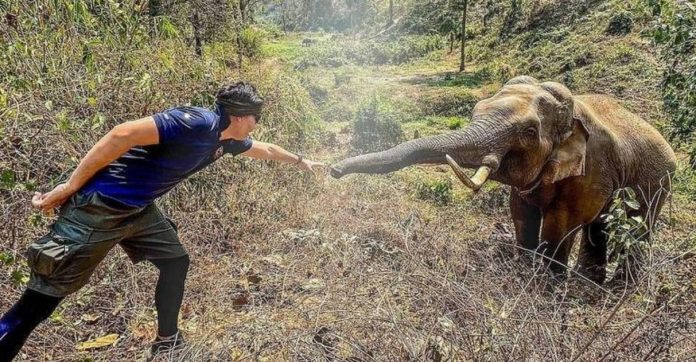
(189, 139)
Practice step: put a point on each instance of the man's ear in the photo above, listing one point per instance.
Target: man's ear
(568, 158)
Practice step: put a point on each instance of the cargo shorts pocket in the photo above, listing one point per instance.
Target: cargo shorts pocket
(48, 253)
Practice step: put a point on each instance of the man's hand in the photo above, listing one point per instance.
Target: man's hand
(309, 165)
(50, 200)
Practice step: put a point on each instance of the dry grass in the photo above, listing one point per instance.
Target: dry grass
(359, 269)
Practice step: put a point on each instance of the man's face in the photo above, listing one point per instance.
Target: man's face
(242, 126)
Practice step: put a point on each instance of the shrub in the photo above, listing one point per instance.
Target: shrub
(454, 123)
(444, 123)
(375, 128)
(438, 191)
(620, 24)
(627, 234)
(251, 40)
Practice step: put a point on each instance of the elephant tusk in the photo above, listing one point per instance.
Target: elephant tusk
(473, 183)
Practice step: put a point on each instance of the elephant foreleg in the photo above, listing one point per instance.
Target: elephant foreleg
(527, 220)
(592, 261)
(558, 232)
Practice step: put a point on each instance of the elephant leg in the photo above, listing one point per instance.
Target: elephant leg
(592, 261)
(527, 220)
(560, 226)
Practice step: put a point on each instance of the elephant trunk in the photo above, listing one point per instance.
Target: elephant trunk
(475, 146)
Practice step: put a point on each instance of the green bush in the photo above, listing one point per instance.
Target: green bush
(673, 29)
(627, 233)
(375, 128)
(443, 123)
(620, 24)
(438, 191)
(454, 123)
(251, 40)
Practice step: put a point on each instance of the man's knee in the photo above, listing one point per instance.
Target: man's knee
(179, 265)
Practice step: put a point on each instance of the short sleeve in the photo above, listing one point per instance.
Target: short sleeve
(235, 147)
(182, 124)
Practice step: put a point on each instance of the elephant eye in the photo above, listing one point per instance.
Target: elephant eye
(531, 132)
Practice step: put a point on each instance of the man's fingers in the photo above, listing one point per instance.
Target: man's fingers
(37, 200)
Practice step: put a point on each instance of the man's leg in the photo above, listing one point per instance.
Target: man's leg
(16, 325)
(156, 240)
(169, 293)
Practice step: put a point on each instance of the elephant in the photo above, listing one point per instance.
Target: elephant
(564, 156)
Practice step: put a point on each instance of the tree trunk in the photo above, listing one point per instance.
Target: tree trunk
(391, 12)
(242, 11)
(488, 13)
(198, 43)
(239, 27)
(284, 17)
(463, 44)
(451, 42)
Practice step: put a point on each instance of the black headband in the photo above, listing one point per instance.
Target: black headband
(239, 109)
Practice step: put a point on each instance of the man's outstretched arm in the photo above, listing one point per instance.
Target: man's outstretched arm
(120, 139)
(269, 151)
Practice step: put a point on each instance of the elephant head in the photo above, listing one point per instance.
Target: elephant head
(525, 133)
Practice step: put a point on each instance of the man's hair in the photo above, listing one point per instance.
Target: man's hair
(240, 99)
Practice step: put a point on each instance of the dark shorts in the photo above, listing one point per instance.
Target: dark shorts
(88, 226)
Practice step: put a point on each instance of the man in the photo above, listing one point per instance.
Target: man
(109, 198)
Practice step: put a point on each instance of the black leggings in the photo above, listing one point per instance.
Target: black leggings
(34, 307)
(16, 325)
(169, 293)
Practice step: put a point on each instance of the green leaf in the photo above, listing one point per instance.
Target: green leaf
(632, 204)
(98, 121)
(35, 219)
(6, 258)
(19, 277)
(7, 179)
(638, 219)
(62, 123)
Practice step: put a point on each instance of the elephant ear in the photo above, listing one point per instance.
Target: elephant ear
(568, 158)
(560, 107)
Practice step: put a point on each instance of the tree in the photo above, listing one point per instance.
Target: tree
(391, 12)
(446, 17)
(462, 58)
(511, 18)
